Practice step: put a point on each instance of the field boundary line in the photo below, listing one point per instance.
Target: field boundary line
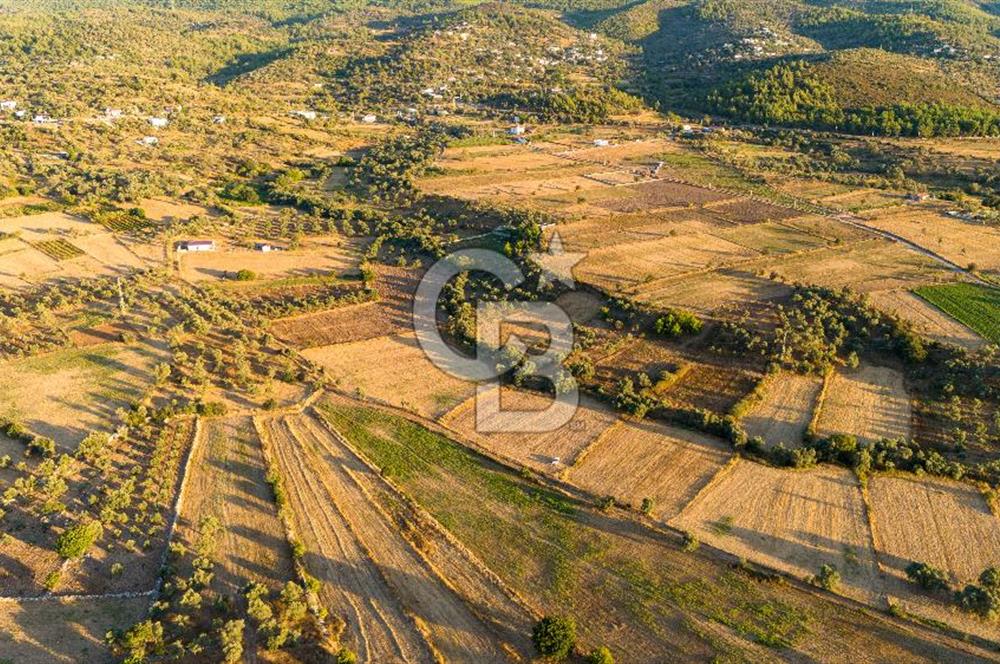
(582, 454)
(710, 485)
(870, 520)
(813, 426)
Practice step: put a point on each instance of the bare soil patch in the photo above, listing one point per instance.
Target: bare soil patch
(663, 193)
(749, 211)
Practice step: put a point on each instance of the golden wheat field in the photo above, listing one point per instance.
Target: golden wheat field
(785, 409)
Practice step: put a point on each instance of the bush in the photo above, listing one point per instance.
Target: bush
(212, 408)
(554, 636)
(345, 656)
(828, 578)
(600, 656)
(927, 577)
(676, 322)
(245, 275)
(75, 541)
(691, 542)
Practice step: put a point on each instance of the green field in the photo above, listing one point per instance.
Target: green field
(976, 306)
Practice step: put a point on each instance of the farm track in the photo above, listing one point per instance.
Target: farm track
(454, 630)
(377, 626)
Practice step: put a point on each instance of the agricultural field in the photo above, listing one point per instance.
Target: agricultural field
(532, 443)
(68, 393)
(942, 523)
(976, 306)
(639, 461)
(785, 409)
(414, 382)
(870, 403)
(793, 521)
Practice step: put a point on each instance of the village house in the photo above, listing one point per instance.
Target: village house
(196, 245)
(148, 140)
(369, 119)
(8, 105)
(517, 130)
(159, 123)
(305, 115)
(112, 113)
(219, 120)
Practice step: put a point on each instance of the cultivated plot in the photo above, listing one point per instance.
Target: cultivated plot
(394, 370)
(791, 520)
(535, 445)
(635, 461)
(870, 403)
(785, 409)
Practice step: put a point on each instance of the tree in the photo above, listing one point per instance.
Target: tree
(927, 577)
(554, 636)
(231, 641)
(75, 541)
(828, 578)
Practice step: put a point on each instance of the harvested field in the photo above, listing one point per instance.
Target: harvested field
(391, 314)
(749, 211)
(636, 263)
(536, 447)
(791, 520)
(661, 194)
(441, 613)
(413, 382)
(709, 292)
(864, 267)
(580, 306)
(68, 393)
(320, 257)
(857, 200)
(597, 232)
(927, 319)
(772, 238)
(227, 481)
(21, 264)
(633, 461)
(110, 252)
(161, 209)
(929, 225)
(68, 631)
(870, 403)
(939, 522)
(784, 412)
(711, 387)
(35, 226)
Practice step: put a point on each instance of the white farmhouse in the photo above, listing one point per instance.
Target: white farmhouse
(219, 120)
(159, 123)
(517, 130)
(196, 245)
(112, 113)
(8, 105)
(148, 140)
(369, 119)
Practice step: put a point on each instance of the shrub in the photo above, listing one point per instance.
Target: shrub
(231, 641)
(828, 578)
(600, 656)
(75, 541)
(691, 542)
(676, 322)
(245, 275)
(212, 408)
(927, 577)
(345, 656)
(554, 636)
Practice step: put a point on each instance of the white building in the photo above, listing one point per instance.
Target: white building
(148, 140)
(159, 123)
(8, 105)
(369, 119)
(517, 130)
(196, 245)
(112, 113)
(42, 119)
(305, 115)
(601, 143)
(219, 120)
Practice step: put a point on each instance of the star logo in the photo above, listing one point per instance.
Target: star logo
(557, 264)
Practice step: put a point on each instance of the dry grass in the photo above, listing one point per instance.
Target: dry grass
(227, 482)
(394, 370)
(927, 319)
(784, 412)
(64, 631)
(710, 387)
(928, 225)
(634, 264)
(319, 257)
(68, 393)
(706, 293)
(636, 460)
(870, 403)
(793, 521)
(455, 617)
(864, 267)
(535, 446)
(162, 209)
(772, 238)
(597, 232)
(943, 523)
